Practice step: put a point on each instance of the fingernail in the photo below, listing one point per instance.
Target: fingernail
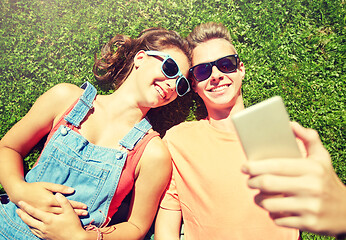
(58, 195)
(245, 169)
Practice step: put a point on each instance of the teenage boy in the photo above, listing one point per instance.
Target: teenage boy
(208, 189)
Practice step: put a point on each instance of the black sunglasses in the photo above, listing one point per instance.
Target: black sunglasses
(225, 64)
(171, 70)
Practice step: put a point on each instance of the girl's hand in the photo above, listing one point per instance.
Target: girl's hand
(40, 195)
(63, 226)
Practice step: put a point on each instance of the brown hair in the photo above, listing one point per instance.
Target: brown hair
(116, 61)
(208, 31)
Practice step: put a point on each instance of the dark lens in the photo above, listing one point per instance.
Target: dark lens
(202, 71)
(170, 68)
(4, 198)
(182, 86)
(227, 64)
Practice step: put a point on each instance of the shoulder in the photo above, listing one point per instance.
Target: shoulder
(157, 151)
(59, 97)
(53, 103)
(156, 156)
(64, 91)
(185, 126)
(184, 129)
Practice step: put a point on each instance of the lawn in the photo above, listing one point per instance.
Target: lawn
(294, 48)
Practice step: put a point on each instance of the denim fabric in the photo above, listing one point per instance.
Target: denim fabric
(71, 160)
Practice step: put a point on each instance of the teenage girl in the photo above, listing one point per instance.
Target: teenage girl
(99, 147)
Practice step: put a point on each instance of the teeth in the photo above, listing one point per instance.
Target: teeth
(220, 88)
(160, 91)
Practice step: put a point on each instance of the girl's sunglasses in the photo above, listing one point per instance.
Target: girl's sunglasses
(4, 199)
(225, 64)
(171, 70)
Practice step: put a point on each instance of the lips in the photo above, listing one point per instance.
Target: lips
(219, 88)
(160, 91)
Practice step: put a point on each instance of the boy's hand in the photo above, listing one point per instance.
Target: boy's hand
(312, 196)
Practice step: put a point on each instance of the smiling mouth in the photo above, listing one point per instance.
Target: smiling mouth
(160, 91)
(220, 88)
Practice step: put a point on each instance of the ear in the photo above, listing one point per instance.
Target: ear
(139, 57)
(242, 70)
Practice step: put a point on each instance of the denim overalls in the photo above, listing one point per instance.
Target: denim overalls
(71, 160)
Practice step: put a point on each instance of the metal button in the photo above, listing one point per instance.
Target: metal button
(63, 131)
(118, 155)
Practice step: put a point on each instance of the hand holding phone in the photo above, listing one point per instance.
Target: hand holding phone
(264, 131)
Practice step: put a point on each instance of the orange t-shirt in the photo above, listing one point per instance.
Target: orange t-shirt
(210, 189)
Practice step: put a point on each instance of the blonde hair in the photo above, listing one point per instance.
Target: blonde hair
(209, 31)
(200, 34)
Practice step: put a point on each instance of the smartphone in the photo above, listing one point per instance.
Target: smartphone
(265, 132)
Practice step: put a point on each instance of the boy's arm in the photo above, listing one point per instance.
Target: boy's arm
(167, 225)
(314, 198)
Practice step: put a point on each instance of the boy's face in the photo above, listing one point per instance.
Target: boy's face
(220, 90)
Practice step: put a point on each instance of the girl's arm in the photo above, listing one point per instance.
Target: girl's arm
(154, 174)
(169, 215)
(23, 136)
(168, 224)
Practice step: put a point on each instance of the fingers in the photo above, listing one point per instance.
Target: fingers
(64, 203)
(305, 185)
(304, 223)
(291, 222)
(81, 212)
(281, 167)
(311, 141)
(305, 134)
(279, 184)
(292, 212)
(31, 216)
(58, 188)
(78, 205)
(79, 208)
(66, 206)
(280, 204)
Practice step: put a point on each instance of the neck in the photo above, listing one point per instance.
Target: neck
(220, 118)
(123, 104)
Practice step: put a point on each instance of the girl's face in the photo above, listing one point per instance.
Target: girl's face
(157, 89)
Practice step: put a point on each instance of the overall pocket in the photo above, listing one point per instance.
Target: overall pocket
(66, 167)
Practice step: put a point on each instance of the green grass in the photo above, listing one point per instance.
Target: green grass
(294, 48)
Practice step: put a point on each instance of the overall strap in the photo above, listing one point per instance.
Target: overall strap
(81, 109)
(135, 134)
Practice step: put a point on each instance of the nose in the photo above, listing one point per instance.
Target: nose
(171, 83)
(216, 74)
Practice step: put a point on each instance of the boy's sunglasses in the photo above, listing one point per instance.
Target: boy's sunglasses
(171, 70)
(225, 64)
